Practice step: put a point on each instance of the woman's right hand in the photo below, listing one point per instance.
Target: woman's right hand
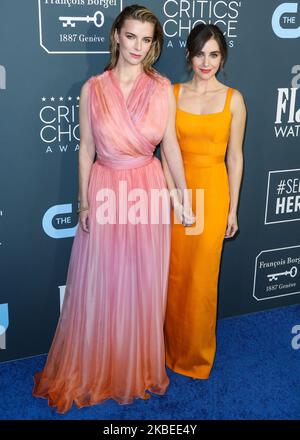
(84, 220)
(178, 210)
(188, 217)
(183, 214)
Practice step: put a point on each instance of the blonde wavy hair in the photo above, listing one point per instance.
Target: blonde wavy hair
(141, 13)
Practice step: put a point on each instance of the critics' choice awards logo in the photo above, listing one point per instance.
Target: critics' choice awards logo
(283, 196)
(59, 118)
(76, 26)
(285, 20)
(4, 322)
(287, 121)
(179, 17)
(277, 273)
(60, 221)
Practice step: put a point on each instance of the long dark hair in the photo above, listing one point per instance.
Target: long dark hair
(200, 35)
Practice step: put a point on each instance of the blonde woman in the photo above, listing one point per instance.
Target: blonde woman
(109, 340)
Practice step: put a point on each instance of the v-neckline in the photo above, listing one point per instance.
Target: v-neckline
(133, 87)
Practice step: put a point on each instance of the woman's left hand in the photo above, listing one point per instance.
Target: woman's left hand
(232, 225)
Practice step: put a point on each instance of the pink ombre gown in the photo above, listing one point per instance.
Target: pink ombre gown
(109, 340)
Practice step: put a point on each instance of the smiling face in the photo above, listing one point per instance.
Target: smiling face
(207, 63)
(134, 40)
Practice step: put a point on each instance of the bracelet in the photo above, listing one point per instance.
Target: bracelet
(82, 209)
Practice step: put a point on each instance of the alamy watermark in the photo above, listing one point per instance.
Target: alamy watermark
(141, 206)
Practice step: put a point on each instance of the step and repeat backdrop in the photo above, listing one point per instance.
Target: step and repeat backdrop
(48, 49)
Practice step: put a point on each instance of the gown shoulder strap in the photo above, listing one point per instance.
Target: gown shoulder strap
(176, 88)
(228, 98)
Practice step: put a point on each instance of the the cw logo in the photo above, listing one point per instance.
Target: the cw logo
(4, 321)
(62, 220)
(281, 32)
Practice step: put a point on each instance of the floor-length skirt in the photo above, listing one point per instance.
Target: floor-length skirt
(109, 340)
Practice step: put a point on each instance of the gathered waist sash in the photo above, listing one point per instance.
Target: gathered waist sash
(201, 159)
(125, 164)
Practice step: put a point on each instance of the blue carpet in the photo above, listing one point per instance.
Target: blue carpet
(256, 375)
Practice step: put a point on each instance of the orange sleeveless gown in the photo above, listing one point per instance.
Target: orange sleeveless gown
(195, 259)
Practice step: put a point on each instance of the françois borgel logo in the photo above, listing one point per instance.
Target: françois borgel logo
(284, 20)
(76, 26)
(181, 16)
(277, 273)
(283, 196)
(287, 122)
(59, 123)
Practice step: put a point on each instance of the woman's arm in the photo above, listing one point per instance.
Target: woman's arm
(86, 154)
(167, 173)
(234, 159)
(175, 196)
(172, 160)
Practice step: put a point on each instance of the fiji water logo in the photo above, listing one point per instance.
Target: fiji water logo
(284, 21)
(4, 322)
(287, 122)
(58, 220)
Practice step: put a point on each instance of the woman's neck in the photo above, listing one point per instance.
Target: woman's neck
(127, 72)
(201, 85)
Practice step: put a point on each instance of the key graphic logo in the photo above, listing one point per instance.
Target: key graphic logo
(4, 322)
(97, 19)
(292, 273)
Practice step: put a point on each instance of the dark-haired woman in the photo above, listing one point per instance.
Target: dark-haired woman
(109, 341)
(210, 124)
